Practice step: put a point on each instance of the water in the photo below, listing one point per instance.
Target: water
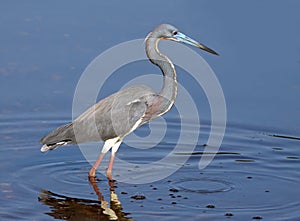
(253, 175)
(46, 46)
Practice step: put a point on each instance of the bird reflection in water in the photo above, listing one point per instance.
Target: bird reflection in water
(69, 208)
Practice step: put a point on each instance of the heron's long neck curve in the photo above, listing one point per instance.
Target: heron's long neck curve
(169, 89)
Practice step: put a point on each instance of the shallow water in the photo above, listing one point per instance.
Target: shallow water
(253, 176)
(44, 49)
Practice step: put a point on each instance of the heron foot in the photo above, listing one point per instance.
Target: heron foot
(109, 175)
(92, 172)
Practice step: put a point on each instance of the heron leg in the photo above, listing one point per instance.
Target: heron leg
(92, 172)
(109, 168)
(112, 159)
(113, 143)
(106, 147)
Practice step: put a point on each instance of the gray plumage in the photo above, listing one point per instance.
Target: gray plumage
(114, 117)
(126, 107)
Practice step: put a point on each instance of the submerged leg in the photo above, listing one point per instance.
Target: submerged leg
(112, 158)
(106, 147)
(92, 172)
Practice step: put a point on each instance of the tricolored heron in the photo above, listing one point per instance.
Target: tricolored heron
(122, 112)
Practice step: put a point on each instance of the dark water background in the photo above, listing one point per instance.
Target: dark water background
(44, 48)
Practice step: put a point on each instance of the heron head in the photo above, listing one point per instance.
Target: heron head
(169, 32)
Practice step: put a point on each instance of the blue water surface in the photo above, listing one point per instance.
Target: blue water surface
(44, 49)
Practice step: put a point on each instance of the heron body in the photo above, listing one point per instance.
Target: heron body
(117, 115)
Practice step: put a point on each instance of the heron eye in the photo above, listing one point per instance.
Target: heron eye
(175, 32)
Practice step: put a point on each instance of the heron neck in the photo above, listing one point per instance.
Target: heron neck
(169, 89)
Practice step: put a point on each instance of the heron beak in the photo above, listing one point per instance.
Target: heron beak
(180, 37)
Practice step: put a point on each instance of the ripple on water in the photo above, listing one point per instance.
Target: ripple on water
(203, 185)
(254, 175)
(242, 194)
(54, 175)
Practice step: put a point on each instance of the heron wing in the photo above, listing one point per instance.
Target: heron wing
(115, 116)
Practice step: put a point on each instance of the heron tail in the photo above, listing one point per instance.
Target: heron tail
(63, 135)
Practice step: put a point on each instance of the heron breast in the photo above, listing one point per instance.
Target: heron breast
(154, 108)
